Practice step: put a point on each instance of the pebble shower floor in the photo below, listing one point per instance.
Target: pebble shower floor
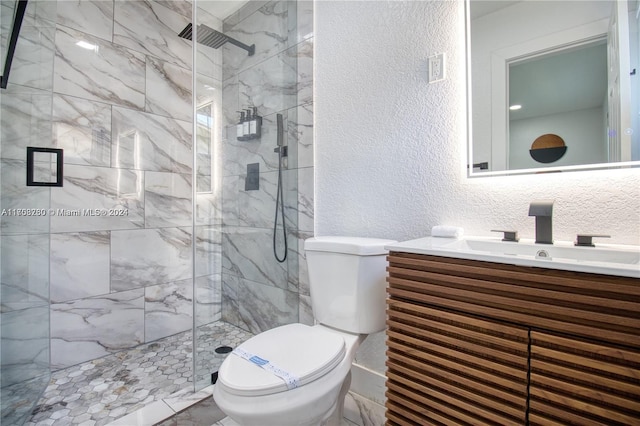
(100, 391)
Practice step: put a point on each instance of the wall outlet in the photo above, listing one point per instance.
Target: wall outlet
(436, 67)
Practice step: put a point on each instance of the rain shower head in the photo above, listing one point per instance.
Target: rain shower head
(212, 38)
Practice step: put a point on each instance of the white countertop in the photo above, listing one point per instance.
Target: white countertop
(608, 259)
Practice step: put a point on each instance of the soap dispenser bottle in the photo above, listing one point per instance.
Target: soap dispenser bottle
(240, 134)
(245, 125)
(255, 124)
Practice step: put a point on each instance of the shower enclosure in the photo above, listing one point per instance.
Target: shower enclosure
(156, 229)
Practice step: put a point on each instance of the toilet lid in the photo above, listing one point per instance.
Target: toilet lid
(304, 352)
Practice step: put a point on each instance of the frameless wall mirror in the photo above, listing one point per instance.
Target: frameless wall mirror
(553, 85)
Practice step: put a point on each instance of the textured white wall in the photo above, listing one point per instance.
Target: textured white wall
(391, 148)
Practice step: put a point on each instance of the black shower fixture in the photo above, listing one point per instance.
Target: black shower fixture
(212, 38)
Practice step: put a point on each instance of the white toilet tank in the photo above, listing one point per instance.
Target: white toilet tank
(347, 278)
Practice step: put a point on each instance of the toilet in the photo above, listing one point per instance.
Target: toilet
(298, 374)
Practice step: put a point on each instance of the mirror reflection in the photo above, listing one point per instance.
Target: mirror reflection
(553, 85)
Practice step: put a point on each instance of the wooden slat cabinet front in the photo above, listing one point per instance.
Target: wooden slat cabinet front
(471, 342)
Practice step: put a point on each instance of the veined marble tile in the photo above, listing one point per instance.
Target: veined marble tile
(230, 202)
(302, 267)
(25, 344)
(300, 28)
(151, 28)
(208, 250)
(247, 253)
(25, 270)
(93, 17)
(300, 127)
(15, 195)
(208, 299)
(167, 199)
(79, 265)
(231, 299)
(305, 199)
(271, 85)
(305, 312)
(363, 412)
(118, 195)
(150, 142)
(230, 106)
(83, 129)
(33, 59)
(86, 329)
(168, 90)
(208, 59)
(237, 154)
(263, 307)
(98, 70)
(25, 120)
(267, 28)
(168, 309)
(183, 7)
(303, 53)
(146, 257)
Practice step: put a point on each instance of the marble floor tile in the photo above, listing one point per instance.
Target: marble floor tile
(104, 390)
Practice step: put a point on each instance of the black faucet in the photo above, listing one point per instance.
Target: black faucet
(543, 211)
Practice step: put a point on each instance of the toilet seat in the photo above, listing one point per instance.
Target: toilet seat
(306, 353)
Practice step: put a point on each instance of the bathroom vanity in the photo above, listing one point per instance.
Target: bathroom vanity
(480, 337)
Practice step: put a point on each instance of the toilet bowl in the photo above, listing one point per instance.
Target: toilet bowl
(321, 362)
(298, 374)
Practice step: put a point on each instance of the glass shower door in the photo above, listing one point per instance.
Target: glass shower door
(25, 121)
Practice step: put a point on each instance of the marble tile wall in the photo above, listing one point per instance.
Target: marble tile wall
(259, 293)
(110, 82)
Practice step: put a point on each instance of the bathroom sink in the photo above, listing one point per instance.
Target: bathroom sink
(608, 259)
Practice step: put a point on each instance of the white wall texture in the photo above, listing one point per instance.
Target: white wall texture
(390, 149)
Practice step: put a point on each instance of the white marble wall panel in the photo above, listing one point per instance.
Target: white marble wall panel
(146, 257)
(300, 28)
(231, 299)
(79, 265)
(209, 206)
(104, 189)
(86, 329)
(270, 85)
(15, 195)
(208, 250)
(300, 130)
(152, 28)
(247, 253)
(25, 120)
(167, 309)
(263, 307)
(168, 90)
(183, 7)
(303, 269)
(150, 142)
(208, 59)
(33, 57)
(230, 104)
(107, 72)
(24, 345)
(230, 188)
(25, 271)
(305, 195)
(93, 17)
(267, 28)
(208, 299)
(303, 54)
(362, 411)
(167, 199)
(83, 129)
